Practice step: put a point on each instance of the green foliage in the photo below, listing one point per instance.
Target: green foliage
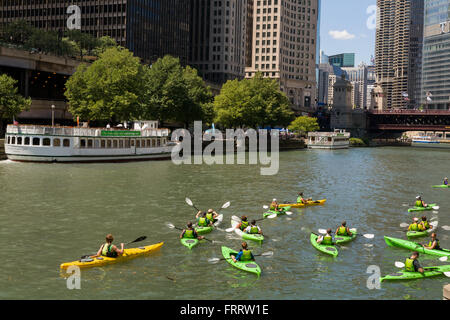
(255, 102)
(303, 125)
(104, 43)
(357, 142)
(175, 93)
(17, 32)
(11, 102)
(49, 42)
(85, 42)
(109, 89)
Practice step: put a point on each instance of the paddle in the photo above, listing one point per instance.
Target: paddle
(265, 254)
(367, 235)
(333, 244)
(239, 220)
(171, 226)
(142, 238)
(446, 228)
(399, 264)
(191, 204)
(225, 205)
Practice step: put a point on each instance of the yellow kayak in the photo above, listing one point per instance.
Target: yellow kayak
(101, 261)
(302, 205)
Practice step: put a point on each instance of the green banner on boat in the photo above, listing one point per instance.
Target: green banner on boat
(115, 133)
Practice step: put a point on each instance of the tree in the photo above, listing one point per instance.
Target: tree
(11, 102)
(303, 125)
(255, 102)
(174, 93)
(49, 42)
(86, 43)
(110, 89)
(104, 43)
(17, 32)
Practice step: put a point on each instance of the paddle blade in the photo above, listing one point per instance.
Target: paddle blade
(369, 236)
(434, 223)
(265, 207)
(272, 216)
(229, 230)
(139, 239)
(399, 264)
(213, 260)
(236, 218)
(436, 208)
(170, 225)
(443, 259)
(267, 254)
(404, 225)
(288, 213)
(189, 201)
(226, 205)
(322, 231)
(447, 274)
(446, 228)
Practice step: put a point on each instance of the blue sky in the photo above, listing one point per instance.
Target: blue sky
(344, 28)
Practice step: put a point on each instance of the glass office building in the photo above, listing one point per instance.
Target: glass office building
(436, 55)
(343, 60)
(149, 28)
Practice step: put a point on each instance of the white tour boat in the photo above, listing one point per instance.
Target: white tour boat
(339, 139)
(33, 143)
(435, 140)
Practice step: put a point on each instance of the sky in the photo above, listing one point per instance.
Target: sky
(347, 26)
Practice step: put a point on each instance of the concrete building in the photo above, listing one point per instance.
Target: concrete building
(398, 52)
(327, 77)
(363, 76)
(343, 60)
(218, 37)
(284, 47)
(436, 55)
(149, 28)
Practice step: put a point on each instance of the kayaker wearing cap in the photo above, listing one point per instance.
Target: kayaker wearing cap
(108, 249)
(243, 224)
(343, 230)
(424, 225)
(445, 181)
(420, 203)
(274, 206)
(326, 239)
(415, 225)
(253, 228)
(300, 198)
(434, 243)
(202, 221)
(412, 263)
(211, 215)
(244, 254)
(190, 233)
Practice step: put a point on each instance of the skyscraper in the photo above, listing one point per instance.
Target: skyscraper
(218, 38)
(398, 52)
(342, 60)
(284, 46)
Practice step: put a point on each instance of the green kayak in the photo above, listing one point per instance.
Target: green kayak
(244, 235)
(408, 275)
(279, 213)
(331, 250)
(188, 242)
(413, 246)
(415, 209)
(442, 186)
(249, 266)
(204, 230)
(344, 239)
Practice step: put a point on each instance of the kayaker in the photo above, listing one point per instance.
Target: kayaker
(419, 203)
(343, 230)
(243, 224)
(424, 225)
(412, 263)
(202, 221)
(108, 249)
(415, 225)
(434, 243)
(244, 255)
(190, 233)
(211, 215)
(300, 198)
(445, 181)
(199, 214)
(253, 228)
(274, 206)
(326, 239)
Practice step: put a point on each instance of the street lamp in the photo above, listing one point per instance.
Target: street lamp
(53, 115)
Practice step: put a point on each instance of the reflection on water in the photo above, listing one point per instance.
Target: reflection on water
(54, 213)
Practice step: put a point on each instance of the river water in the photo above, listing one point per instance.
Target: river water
(54, 213)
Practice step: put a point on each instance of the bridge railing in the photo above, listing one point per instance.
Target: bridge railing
(410, 112)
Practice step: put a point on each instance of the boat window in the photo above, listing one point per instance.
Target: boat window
(19, 140)
(96, 143)
(133, 142)
(153, 143)
(27, 141)
(46, 142)
(56, 142)
(114, 143)
(120, 144)
(329, 138)
(102, 144)
(127, 143)
(138, 143)
(36, 141)
(13, 140)
(149, 143)
(82, 143)
(108, 143)
(9, 140)
(158, 142)
(90, 143)
(447, 135)
(66, 143)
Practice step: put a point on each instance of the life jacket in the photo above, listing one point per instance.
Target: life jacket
(300, 200)
(106, 251)
(202, 222)
(244, 225)
(438, 247)
(273, 205)
(189, 233)
(209, 216)
(409, 265)
(327, 240)
(419, 203)
(254, 230)
(342, 231)
(414, 227)
(246, 255)
(424, 225)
